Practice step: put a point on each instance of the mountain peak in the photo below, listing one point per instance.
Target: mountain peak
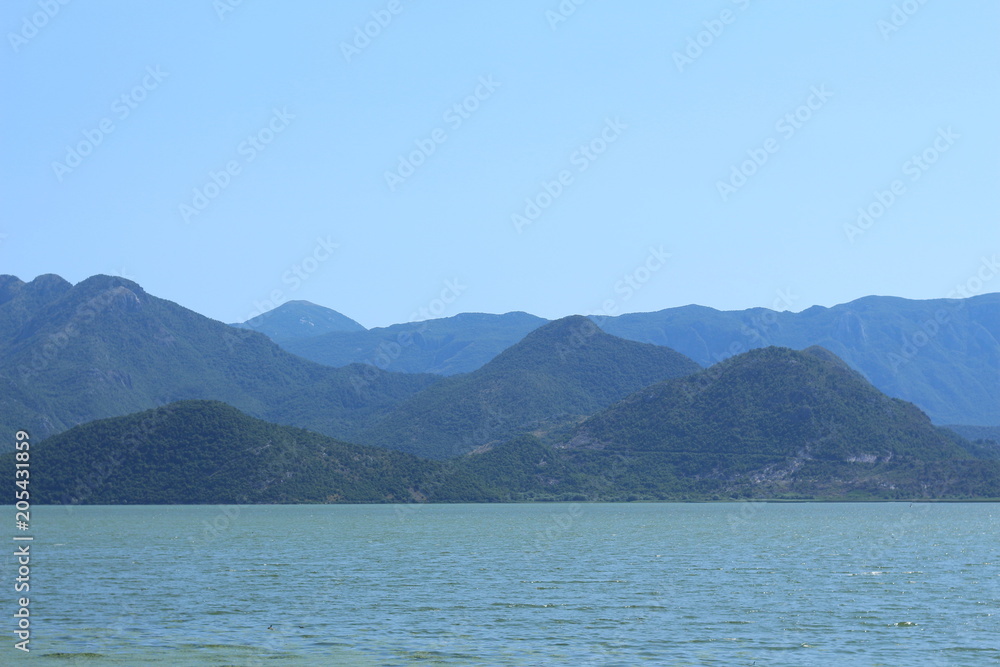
(50, 280)
(102, 283)
(9, 287)
(558, 372)
(773, 410)
(821, 352)
(45, 287)
(572, 330)
(298, 319)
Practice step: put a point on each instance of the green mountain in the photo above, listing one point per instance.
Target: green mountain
(20, 300)
(942, 354)
(104, 347)
(207, 452)
(559, 372)
(295, 320)
(982, 441)
(446, 346)
(770, 423)
(976, 432)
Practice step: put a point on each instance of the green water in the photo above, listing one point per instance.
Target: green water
(561, 584)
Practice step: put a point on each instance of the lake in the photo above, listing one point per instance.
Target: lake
(529, 584)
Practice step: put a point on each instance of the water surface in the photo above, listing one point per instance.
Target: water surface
(590, 584)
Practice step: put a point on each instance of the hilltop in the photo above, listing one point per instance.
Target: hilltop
(560, 372)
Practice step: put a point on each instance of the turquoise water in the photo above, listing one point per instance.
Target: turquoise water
(562, 584)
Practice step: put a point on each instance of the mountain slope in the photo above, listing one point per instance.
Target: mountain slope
(770, 423)
(447, 346)
(774, 421)
(19, 300)
(105, 348)
(208, 452)
(942, 354)
(981, 441)
(564, 369)
(294, 320)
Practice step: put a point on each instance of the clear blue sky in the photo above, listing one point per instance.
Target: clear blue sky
(310, 118)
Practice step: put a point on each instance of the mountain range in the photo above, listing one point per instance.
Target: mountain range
(447, 346)
(772, 423)
(942, 354)
(568, 410)
(104, 348)
(560, 372)
(70, 354)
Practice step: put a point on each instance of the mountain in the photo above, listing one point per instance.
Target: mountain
(982, 441)
(446, 346)
(976, 432)
(294, 320)
(942, 354)
(18, 300)
(561, 371)
(104, 347)
(193, 452)
(772, 422)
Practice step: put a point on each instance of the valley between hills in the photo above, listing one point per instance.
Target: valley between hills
(133, 399)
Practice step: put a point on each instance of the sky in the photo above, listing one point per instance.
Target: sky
(396, 160)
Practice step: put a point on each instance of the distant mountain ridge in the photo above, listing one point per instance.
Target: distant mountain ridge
(447, 346)
(771, 423)
(564, 369)
(104, 347)
(768, 423)
(942, 354)
(295, 320)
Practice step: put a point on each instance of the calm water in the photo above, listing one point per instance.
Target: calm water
(683, 584)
